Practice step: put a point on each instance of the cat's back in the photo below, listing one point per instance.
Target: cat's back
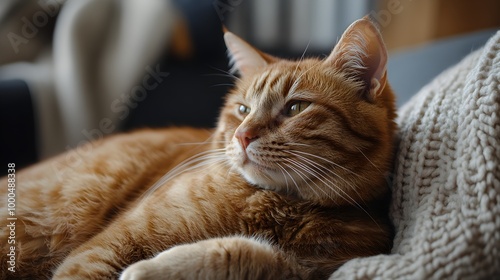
(111, 172)
(146, 151)
(81, 191)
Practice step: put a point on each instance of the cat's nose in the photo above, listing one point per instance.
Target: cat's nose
(245, 137)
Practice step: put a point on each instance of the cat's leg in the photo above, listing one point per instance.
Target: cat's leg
(105, 255)
(219, 258)
(63, 202)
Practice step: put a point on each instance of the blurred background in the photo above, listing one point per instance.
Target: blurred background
(73, 71)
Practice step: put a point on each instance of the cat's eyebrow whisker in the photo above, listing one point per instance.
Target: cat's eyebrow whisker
(228, 74)
(297, 81)
(220, 75)
(301, 57)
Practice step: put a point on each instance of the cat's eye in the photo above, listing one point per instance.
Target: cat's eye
(296, 107)
(243, 110)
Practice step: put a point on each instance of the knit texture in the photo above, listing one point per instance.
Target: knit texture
(446, 179)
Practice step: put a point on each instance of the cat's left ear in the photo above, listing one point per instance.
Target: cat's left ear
(362, 54)
(244, 58)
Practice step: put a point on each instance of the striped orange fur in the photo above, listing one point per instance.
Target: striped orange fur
(290, 184)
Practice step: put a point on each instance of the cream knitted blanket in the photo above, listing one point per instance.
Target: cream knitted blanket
(446, 181)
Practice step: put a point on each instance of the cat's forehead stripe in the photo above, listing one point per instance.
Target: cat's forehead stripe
(260, 83)
(273, 81)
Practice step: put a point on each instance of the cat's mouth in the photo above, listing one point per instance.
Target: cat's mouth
(250, 163)
(256, 165)
(255, 168)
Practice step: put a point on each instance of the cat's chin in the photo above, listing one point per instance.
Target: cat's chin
(262, 176)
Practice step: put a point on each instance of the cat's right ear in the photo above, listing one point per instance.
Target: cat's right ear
(244, 58)
(362, 54)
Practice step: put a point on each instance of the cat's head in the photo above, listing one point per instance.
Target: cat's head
(318, 129)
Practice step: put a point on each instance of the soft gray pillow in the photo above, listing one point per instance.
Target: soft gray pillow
(446, 179)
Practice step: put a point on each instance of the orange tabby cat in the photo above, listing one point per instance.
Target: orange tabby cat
(291, 184)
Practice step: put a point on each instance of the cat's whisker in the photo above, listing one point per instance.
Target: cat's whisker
(191, 166)
(208, 141)
(369, 161)
(197, 158)
(177, 171)
(312, 173)
(302, 176)
(187, 165)
(267, 176)
(324, 170)
(231, 169)
(199, 143)
(331, 185)
(328, 172)
(291, 178)
(210, 165)
(294, 152)
(284, 177)
(297, 144)
(314, 168)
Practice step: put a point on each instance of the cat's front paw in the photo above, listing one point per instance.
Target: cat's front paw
(218, 258)
(141, 271)
(176, 263)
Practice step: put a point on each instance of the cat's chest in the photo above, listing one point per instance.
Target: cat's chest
(229, 205)
(277, 218)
